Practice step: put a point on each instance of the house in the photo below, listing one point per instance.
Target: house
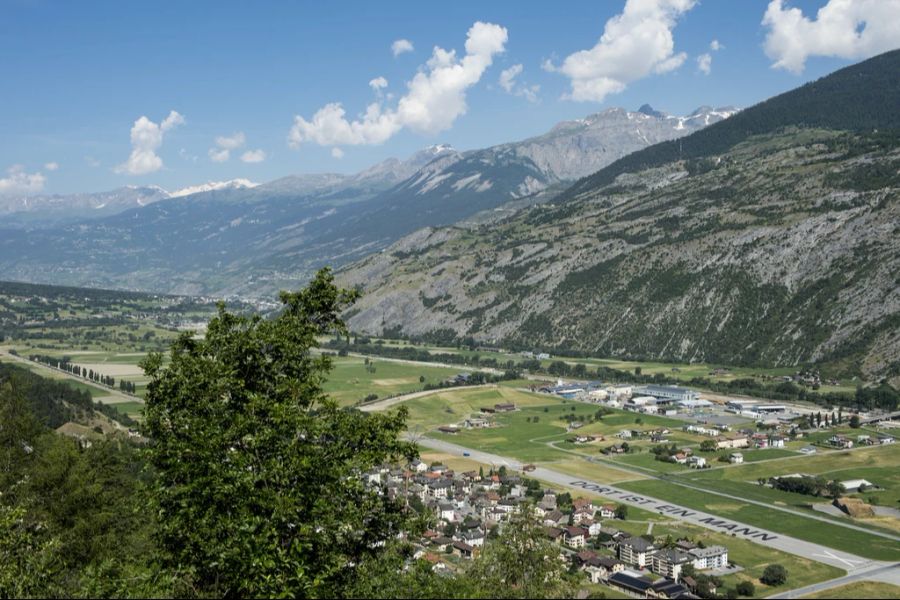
(505, 407)
(600, 569)
(463, 549)
(885, 439)
(732, 441)
(711, 557)
(854, 485)
(665, 588)
(696, 462)
(476, 423)
(554, 518)
(736, 458)
(575, 537)
(448, 429)
(807, 450)
(630, 583)
(418, 466)
(446, 512)
(556, 534)
(474, 537)
(840, 441)
(776, 441)
(636, 551)
(608, 511)
(669, 563)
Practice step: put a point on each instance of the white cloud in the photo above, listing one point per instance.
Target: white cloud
(507, 81)
(230, 143)
(716, 45)
(219, 154)
(337, 153)
(378, 84)
(634, 44)
(704, 63)
(401, 46)
(225, 144)
(51, 166)
(146, 139)
(435, 97)
(18, 181)
(842, 28)
(508, 77)
(253, 156)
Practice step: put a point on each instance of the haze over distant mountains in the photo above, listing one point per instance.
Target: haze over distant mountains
(240, 238)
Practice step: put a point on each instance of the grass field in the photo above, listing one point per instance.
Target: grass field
(860, 589)
(682, 371)
(833, 536)
(877, 464)
(350, 381)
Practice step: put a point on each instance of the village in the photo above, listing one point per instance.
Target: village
(466, 509)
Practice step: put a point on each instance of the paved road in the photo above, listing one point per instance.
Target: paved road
(854, 565)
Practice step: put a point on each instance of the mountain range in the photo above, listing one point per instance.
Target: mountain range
(239, 238)
(770, 238)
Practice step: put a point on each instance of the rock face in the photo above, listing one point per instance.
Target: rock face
(234, 239)
(777, 252)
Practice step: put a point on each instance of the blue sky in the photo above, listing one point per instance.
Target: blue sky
(78, 75)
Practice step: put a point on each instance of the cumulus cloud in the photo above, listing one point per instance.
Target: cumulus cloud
(704, 63)
(715, 45)
(507, 81)
(849, 29)
(221, 152)
(337, 153)
(51, 166)
(253, 156)
(146, 139)
(435, 97)
(634, 44)
(17, 181)
(378, 84)
(401, 46)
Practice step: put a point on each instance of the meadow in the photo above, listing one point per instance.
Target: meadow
(352, 379)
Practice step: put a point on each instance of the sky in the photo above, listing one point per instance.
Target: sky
(97, 95)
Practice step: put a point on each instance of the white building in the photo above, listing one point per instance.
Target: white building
(711, 557)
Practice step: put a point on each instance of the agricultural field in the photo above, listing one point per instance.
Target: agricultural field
(877, 464)
(354, 378)
(681, 371)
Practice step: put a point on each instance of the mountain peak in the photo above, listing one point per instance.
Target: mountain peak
(210, 186)
(648, 110)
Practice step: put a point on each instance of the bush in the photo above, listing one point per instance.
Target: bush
(774, 575)
(746, 588)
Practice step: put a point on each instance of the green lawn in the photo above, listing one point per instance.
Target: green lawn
(833, 536)
(350, 381)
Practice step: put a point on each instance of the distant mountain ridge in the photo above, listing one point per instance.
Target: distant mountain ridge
(234, 239)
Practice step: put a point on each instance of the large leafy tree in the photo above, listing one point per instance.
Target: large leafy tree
(258, 486)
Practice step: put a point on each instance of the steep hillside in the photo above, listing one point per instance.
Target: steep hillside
(253, 241)
(780, 250)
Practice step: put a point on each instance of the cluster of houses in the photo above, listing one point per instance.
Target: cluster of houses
(485, 418)
(469, 507)
(844, 442)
